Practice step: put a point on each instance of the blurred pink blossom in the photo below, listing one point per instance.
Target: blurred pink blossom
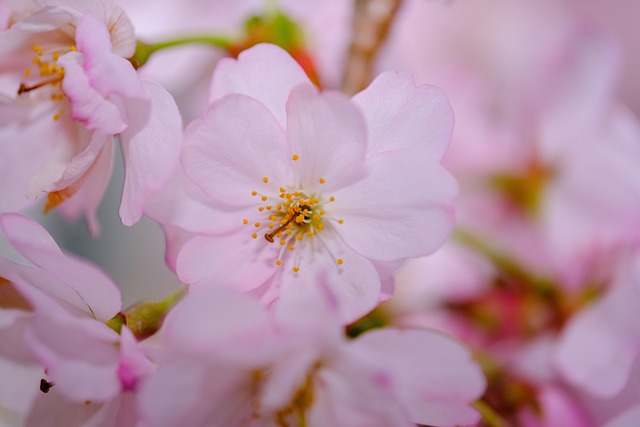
(241, 366)
(80, 356)
(600, 345)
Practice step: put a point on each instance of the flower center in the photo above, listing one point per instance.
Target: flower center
(46, 67)
(291, 218)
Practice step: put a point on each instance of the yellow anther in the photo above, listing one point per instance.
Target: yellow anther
(295, 157)
(56, 117)
(256, 225)
(320, 227)
(340, 261)
(283, 242)
(36, 61)
(282, 190)
(299, 237)
(322, 212)
(292, 247)
(311, 234)
(261, 209)
(245, 221)
(341, 221)
(300, 219)
(56, 55)
(322, 181)
(268, 207)
(270, 226)
(264, 198)
(27, 72)
(72, 48)
(265, 179)
(273, 218)
(289, 232)
(254, 193)
(332, 199)
(37, 50)
(254, 235)
(296, 269)
(279, 207)
(278, 262)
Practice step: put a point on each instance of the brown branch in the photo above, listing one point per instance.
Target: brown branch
(372, 20)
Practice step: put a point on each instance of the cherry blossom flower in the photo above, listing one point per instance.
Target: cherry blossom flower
(77, 92)
(301, 184)
(245, 367)
(93, 370)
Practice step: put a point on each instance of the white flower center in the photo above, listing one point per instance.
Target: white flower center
(291, 218)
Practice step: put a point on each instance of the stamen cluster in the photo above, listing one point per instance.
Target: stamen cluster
(292, 215)
(46, 65)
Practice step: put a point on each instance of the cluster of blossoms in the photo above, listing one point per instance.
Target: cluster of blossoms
(325, 278)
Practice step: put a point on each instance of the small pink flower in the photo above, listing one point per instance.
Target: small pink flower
(86, 360)
(68, 63)
(243, 366)
(304, 185)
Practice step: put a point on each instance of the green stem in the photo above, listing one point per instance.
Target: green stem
(145, 50)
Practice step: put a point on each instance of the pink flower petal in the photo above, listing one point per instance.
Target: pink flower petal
(134, 365)
(25, 141)
(87, 199)
(229, 261)
(80, 354)
(108, 73)
(264, 72)
(436, 377)
(88, 105)
(231, 150)
(80, 164)
(78, 282)
(628, 418)
(400, 208)
(151, 146)
(351, 395)
(401, 115)
(194, 325)
(327, 133)
(598, 348)
(583, 83)
(181, 203)
(352, 288)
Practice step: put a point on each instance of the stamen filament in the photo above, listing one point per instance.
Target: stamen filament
(24, 88)
(269, 236)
